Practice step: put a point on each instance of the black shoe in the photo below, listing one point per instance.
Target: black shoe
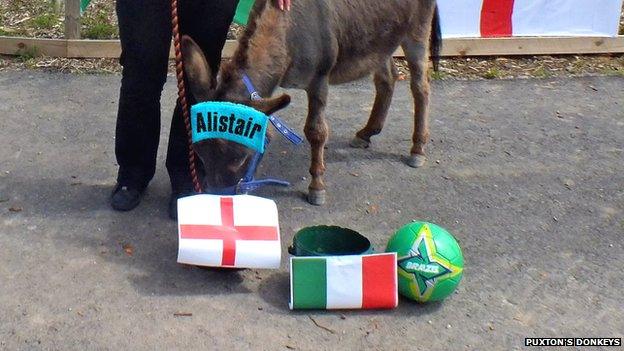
(125, 198)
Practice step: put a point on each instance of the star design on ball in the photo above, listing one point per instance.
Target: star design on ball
(423, 262)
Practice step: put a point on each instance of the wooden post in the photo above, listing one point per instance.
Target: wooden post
(72, 19)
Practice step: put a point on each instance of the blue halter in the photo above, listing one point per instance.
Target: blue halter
(248, 183)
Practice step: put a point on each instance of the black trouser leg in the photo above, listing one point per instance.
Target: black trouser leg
(145, 33)
(207, 22)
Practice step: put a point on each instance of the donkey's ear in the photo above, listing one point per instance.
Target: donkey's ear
(270, 106)
(198, 73)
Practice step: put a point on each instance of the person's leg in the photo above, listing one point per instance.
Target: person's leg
(145, 34)
(207, 22)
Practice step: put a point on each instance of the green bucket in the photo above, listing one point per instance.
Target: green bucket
(242, 11)
(324, 240)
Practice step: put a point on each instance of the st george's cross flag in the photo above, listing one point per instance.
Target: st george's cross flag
(344, 282)
(505, 18)
(239, 231)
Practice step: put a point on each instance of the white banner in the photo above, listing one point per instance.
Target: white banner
(503, 18)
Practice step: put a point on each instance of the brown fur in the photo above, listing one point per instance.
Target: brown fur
(320, 42)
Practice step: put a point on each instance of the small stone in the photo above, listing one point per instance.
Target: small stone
(430, 322)
(448, 326)
(610, 245)
(260, 308)
(569, 183)
(555, 219)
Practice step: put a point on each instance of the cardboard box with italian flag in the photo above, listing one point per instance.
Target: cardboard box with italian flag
(239, 231)
(344, 282)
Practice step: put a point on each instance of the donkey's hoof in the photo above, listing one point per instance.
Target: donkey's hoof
(316, 197)
(359, 143)
(416, 160)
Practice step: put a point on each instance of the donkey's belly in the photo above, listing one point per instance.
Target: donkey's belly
(342, 72)
(356, 68)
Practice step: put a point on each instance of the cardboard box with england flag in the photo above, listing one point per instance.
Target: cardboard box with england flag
(240, 231)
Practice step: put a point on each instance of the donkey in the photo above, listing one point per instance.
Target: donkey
(318, 43)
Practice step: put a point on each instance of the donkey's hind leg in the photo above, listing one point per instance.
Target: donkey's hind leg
(416, 54)
(384, 78)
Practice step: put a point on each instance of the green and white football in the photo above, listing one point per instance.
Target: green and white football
(430, 261)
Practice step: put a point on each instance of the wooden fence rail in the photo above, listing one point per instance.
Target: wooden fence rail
(73, 48)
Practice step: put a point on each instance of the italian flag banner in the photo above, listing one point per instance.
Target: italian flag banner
(504, 18)
(344, 282)
(228, 231)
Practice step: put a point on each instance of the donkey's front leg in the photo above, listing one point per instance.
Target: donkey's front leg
(316, 132)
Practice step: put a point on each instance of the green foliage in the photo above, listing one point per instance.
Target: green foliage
(438, 75)
(613, 71)
(100, 31)
(541, 72)
(492, 73)
(98, 27)
(45, 21)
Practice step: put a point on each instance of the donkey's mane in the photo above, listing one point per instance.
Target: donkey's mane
(259, 20)
(240, 56)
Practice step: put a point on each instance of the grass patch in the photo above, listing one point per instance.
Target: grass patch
(100, 31)
(98, 27)
(610, 71)
(541, 72)
(45, 21)
(438, 75)
(492, 73)
(13, 32)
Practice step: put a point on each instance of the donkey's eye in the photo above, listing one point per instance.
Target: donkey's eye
(238, 160)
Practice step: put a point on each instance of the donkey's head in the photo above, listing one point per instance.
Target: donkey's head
(225, 162)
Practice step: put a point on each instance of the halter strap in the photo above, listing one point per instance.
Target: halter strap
(248, 183)
(277, 122)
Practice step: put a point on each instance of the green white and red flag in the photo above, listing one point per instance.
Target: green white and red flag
(344, 282)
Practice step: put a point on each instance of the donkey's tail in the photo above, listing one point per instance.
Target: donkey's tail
(435, 44)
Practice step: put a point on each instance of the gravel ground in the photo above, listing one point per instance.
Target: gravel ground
(526, 173)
